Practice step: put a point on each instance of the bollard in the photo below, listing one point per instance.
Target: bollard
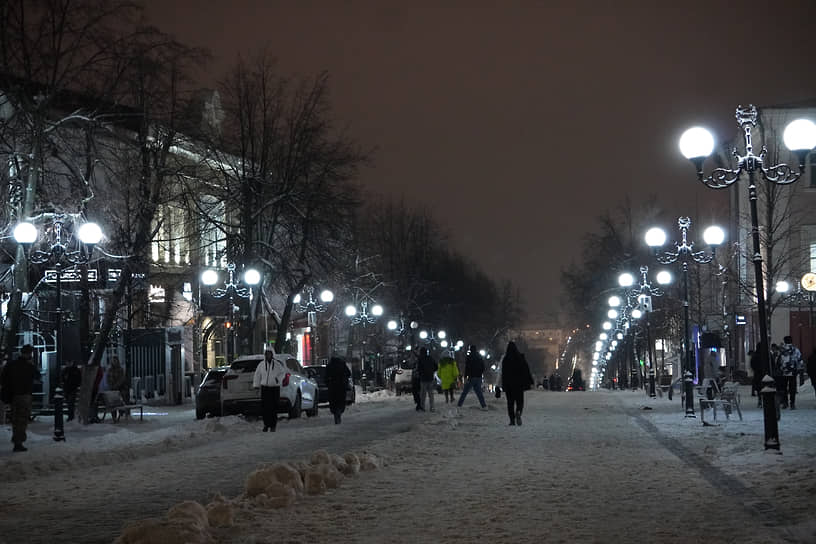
(59, 433)
(688, 383)
(652, 391)
(771, 413)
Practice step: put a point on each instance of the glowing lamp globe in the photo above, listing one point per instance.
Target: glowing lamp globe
(626, 280)
(376, 310)
(252, 277)
(714, 235)
(326, 296)
(614, 301)
(351, 309)
(782, 286)
(209, 277)
(696, 143)
(90, 233)
(25, 233)
(655, 237)
(296, 299)
(664, 277)
(392, 325)
(800, 135)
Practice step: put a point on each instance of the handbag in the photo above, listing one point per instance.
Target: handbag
(498, 392)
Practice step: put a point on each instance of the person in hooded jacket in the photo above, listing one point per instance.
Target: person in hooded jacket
(337, 380)
(474, 371)
(448, 373)
(515, 379)
(268, 376)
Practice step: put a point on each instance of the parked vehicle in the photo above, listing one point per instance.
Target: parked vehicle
(208, 396)
(318, 374)
(298, 391)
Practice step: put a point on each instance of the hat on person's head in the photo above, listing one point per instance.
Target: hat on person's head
(269, 347)
(788, 340)
(448, 354)
(423, 351)
(473, 348)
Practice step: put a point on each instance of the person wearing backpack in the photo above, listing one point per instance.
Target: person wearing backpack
(790, 364)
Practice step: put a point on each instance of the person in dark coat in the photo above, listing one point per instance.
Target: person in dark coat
(71, 380)
(17, 386)
(758, 368)
(811, 368)
(415, 388)
(337, 380)
(427, 368)
(515, 378)
(474, 371)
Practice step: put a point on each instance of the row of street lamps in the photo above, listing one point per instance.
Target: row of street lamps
(697, 144)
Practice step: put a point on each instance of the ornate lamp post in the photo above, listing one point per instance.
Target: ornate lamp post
(696, 144)
(311, 307)
(60, 256)
(684, 253)
(643, 294)
(231, 289)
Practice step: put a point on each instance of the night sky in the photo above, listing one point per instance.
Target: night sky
(518, 123)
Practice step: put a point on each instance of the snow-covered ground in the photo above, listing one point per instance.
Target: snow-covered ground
(585, 467)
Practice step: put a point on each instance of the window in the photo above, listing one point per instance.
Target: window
(213, 240)
(808, 234)
(171, 242)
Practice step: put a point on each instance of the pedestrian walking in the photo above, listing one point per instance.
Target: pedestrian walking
(268, 376)
(811, 369)
(474, 372)
(71, 380)
(416, 387)
(17, 387)
(790, 361)
(337, 380)
(758, 368)
(515, 379)
(448, 374)
(427, 368)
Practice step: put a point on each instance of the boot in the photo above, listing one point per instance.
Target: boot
(512, 422)
(336, 419)
(19, 447)
(518, 418)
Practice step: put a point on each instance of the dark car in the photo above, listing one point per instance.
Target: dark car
(318, 374)
(208, 397)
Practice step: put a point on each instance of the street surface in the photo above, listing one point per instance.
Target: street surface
(585, 467)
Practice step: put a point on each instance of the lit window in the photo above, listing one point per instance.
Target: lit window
(156, 293)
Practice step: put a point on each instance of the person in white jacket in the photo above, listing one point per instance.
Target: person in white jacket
(268, 376)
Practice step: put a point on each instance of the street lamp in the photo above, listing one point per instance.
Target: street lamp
(799, 136)
(231, 290)
(684, 253)
(311, 307)
(643, 294)
(60, 256)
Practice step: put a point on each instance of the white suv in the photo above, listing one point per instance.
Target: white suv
(403, 375)
(298, 392)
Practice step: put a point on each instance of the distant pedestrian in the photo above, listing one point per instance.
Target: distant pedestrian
(759, 369)
(811, 369)
(416, 387)
(337, 380)
(17, 386)
(474, 371)
(426, 367)
(268, 376)
(71, 380)
(515, 379)
(448, 374)
(790, 361)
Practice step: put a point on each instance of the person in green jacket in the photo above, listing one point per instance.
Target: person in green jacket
(449, 373)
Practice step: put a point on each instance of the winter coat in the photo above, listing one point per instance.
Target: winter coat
(71, 379)
(474, 366)
(515, 373)
(448, 372)
(337, 380)
(19, 377)
(811, 367)
(268, 374)
(426, 367)
(790, 360)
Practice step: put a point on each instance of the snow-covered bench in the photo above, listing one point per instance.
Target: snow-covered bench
(113, 404)
(727, 398)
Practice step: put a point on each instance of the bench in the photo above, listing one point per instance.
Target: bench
(113, 404)
(727, 398)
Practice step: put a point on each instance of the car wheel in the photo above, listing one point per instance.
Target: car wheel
(313, 411)
(200, 413)
(294, 413)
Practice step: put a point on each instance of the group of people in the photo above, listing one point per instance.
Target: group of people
(787, 369)
(515, 379)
